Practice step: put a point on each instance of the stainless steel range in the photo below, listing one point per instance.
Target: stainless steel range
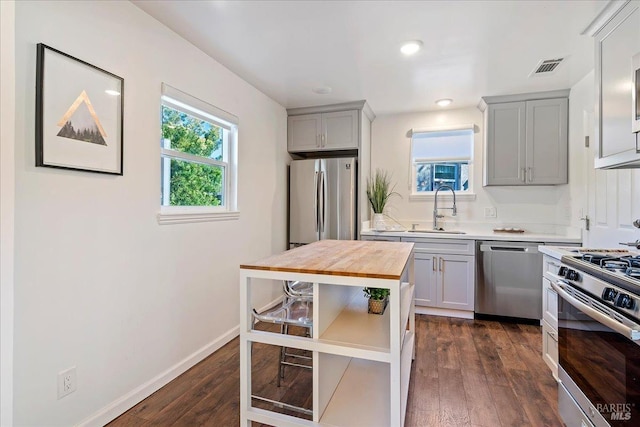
(599, 339)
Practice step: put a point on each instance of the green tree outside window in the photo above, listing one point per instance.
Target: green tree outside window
(191, 183)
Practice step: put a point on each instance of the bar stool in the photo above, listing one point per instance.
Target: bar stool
(298, 289)
(294, 311)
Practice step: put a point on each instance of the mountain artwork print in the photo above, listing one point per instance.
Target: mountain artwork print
(81, 122)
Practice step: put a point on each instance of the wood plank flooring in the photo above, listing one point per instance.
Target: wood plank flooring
(466, 373)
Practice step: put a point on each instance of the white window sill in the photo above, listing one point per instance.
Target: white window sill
(186, 215)
(443, 196)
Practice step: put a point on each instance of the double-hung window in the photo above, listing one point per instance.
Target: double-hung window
(198, 159)
(441, 158)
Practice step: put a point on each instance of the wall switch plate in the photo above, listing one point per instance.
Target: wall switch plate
(490, 212)
(67, 382)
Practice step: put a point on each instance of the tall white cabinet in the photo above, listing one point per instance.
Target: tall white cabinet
(526, 139)
(616, 43)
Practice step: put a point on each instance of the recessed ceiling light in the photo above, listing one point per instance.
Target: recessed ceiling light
(322, 90)
(112, 92)
(444, 102)
(409, 48)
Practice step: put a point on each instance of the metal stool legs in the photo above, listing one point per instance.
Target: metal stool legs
(295, 311)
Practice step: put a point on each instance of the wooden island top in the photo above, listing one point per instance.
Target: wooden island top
(355, 258)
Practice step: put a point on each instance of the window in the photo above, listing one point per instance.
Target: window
(198, 160)
(441, 158)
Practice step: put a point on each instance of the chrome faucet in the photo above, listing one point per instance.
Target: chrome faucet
(435, 206)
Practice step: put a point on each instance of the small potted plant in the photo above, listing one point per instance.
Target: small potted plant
(378, 299)
(379, 190)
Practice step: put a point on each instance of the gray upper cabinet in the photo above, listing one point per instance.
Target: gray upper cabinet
(304, 132)
(616, 43)
(323, 131)
(526, 138)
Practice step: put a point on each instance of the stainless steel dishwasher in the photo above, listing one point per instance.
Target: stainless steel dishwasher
(509, 279)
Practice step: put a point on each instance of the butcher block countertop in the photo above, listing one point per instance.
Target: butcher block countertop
(355, 258)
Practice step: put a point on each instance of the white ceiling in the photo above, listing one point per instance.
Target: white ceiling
(471, 48)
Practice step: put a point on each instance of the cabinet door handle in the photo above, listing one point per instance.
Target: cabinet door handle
(433, 264)
(441, 266)
(530, 171)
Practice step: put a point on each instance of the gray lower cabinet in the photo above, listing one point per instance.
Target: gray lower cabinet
(444, 281)
(444, 273)
(526, 139)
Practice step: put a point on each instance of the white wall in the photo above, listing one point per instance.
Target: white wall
(7, 201)
(534, 207)
(98, 283)
(573, 197)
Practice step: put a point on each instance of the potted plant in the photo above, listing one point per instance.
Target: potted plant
(379, 190)
(378, 299)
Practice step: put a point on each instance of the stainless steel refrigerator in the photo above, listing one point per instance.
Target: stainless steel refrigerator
(322, 200)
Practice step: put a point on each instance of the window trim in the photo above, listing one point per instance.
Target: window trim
(183, 102)
(430, 195)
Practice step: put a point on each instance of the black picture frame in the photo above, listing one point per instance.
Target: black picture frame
(79, 114)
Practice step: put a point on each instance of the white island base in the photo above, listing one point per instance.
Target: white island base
(361, 361)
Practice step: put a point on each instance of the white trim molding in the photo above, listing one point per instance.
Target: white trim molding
(606, 14)
(181, 215)
(137, 395)
(443, 128)
(442, 196)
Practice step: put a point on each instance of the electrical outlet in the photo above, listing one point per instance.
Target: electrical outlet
(67, 382)
(490, 212)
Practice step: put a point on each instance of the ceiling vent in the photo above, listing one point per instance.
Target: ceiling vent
(546, 67)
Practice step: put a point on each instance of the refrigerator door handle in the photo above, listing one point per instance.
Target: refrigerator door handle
(323, 195)
(315, 207)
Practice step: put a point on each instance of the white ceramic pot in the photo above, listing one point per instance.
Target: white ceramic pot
(378, 222)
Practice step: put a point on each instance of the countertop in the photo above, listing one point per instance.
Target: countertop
(558, 252)
(481, 234)
(355, 258)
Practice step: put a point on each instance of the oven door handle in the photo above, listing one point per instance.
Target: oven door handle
(632, 334)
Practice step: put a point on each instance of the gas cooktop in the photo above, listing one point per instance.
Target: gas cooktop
(618, 267)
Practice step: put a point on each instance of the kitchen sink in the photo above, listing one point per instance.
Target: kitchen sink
(436, 231)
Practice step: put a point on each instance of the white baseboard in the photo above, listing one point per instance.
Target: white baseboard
(135, 396)
(460, 314)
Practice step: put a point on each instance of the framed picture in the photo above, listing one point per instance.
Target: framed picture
(79, 110)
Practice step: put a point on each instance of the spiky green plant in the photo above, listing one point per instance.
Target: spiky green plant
(379, 190)
(376, 293)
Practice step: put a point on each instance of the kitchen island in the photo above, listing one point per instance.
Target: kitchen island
(361, 361)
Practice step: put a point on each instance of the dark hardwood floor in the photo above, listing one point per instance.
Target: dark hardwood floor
(466, 373)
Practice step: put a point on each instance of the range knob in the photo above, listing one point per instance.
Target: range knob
(562, 271)
(609, 294)
(572, 275)
(624, 301)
